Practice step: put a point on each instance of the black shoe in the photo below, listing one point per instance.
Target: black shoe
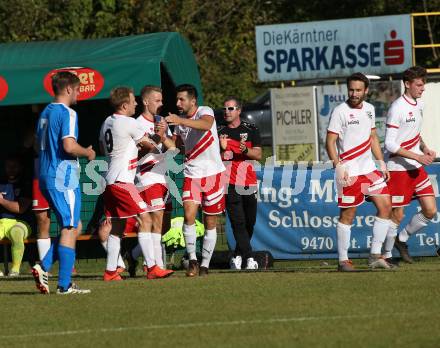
(203, 272)
(193, 269)
(132, 264)
(402, 248)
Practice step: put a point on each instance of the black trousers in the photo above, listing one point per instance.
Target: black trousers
(242, 212)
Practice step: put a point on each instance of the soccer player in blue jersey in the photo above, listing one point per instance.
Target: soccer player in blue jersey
(57, 133)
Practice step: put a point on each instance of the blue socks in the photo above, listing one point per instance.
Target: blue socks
(67, 261)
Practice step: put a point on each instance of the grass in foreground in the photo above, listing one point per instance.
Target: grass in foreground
(298, 304)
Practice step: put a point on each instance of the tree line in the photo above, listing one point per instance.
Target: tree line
(221, 32)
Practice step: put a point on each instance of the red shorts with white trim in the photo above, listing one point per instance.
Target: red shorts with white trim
(208, 191)
(156, 197)
(122, 200)
(409, 184)
(362, 186)
(39, 202)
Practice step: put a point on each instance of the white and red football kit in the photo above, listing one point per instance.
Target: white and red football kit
(119, 135)
(151, 173)
(203, 166)
(409, 179)
(353, 127)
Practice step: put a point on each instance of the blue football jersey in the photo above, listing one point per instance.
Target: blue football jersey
(57, 168)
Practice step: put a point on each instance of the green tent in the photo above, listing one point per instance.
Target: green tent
(25, 68)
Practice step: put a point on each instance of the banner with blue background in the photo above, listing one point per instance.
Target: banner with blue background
(298, 212)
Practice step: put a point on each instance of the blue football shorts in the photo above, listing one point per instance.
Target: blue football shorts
(66, 205)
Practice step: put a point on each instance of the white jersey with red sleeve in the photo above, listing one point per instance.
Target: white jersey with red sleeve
(202, 148)
(119, 135)
(151, 167)
(406, 116)
(353, 127)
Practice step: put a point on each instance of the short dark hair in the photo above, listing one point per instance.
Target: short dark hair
(146, 90)
(415, 72)
(190, 89)
(120, 95)
(358, 77)
(234, 98)
(62, 79)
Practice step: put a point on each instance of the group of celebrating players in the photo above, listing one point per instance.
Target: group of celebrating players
(137, 192)
(136, 184)
(390, 183)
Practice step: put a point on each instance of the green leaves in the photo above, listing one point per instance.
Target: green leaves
(221, 32)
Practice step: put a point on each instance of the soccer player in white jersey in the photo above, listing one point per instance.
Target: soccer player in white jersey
(151, 175)
(203, 167)
(120, 138)
(406, 154)
(352, 130)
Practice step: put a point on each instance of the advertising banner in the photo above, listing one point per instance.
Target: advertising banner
(294, 124)
(431, 111)
(326, 49)
(298, 212)
(327, 98)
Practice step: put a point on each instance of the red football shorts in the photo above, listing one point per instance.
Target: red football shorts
(156, 197)
(131, 225)
(409, 184)
(38, 200)
(362, 186)
(208, 191)
(122, 200)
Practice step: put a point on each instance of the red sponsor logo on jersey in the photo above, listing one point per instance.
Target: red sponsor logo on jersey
(393, 50)
(91, 81)
(3, 88)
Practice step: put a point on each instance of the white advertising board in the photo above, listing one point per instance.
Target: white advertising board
(325, 49)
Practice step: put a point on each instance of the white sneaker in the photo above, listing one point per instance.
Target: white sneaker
(376, 261)
(13, 274)
(235, 262)
(251, 263)
(41, 279)
(1, 274)
(73, 289)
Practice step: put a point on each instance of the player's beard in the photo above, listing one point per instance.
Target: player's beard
(355, 102)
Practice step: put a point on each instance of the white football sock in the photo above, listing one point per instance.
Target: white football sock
(209, 241)
(189, 233)
(389, 240)
(380, 229)
(417, 222)
(146, 243)
(157, 239)
(121, 262)
(343, 233)
(43, 246)
(113, 251)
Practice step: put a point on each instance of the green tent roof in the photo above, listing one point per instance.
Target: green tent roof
(132, 61)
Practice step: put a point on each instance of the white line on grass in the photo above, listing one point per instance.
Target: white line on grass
(204, 324)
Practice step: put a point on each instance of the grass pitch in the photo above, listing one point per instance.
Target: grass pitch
(298, 304)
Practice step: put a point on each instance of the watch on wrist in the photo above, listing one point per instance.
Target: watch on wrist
(245, 151)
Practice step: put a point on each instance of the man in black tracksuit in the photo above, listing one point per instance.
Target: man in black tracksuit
(240, 144)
